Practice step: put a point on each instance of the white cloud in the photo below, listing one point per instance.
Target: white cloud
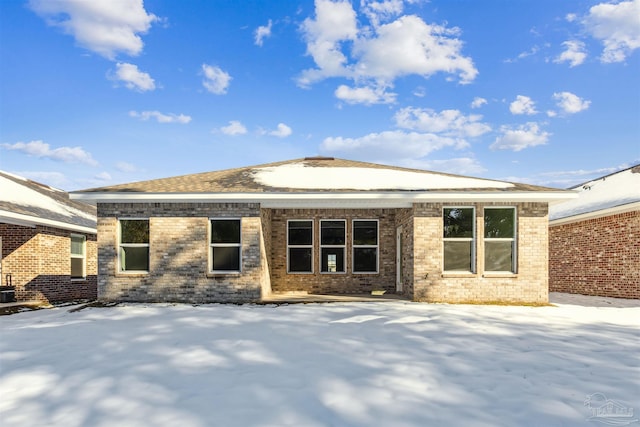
(282, 131)
(133, 78)
(374, 56)
(104, 27)
(103, 176)
(420, 92)
(478, 102)
(234, 128)
(381, 11)
(570, 103)
(126, 167)
(365, 95)
(523, 105)
(389, 145)
(411, 46)
(262, 32)
(574, 53)
(616, 25)
(335, 22)
(570, 17)
(521, 137)
(450, 123)
(534, 50)
(161, 117)
(215, 79)
(62, 154)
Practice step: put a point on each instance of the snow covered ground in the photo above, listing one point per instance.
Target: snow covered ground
(340, 364)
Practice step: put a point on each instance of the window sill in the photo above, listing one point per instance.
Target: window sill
(500, 275)
(329, 273)
(306, 273)
(78, 279)
(366, 273)
(218, 274)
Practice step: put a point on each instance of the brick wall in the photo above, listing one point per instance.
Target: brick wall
(404, 219)
(39, 261)
(179, 266)
(335, 283)
(265, 251)
(599, 256)
(179, 255)
(529, 284)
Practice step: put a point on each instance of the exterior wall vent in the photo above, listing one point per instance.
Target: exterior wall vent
(319, 158)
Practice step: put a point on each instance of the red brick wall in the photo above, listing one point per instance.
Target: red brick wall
(599, 256)
(39, 261)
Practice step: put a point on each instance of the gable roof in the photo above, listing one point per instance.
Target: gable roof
(616, 192)
(312, 178)
(26, 202)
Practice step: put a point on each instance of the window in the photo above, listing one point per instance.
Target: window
(365, 246)
(499, 239)
(332, 245)
(225, 245)
(78, 256)
(459, 239)
(300, 246)
(134, 245)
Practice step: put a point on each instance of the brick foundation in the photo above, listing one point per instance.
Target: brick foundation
(598, 256)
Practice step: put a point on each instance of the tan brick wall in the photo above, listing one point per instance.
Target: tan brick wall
(599, 256)
(179, 266)
(39, 261)
(529, 284)
(265, 252)
(338, 283)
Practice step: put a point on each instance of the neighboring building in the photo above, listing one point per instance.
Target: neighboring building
(594, 240)
(322, 225)
(48, 248)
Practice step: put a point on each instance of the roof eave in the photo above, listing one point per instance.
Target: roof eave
(396, 199)
(32, 221)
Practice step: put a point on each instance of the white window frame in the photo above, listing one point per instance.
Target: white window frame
(76, 256)
(228, 245)
(301, 246)
(354, 246)
(344, 247)
(472, 239)
(514, 240)
(133, 245)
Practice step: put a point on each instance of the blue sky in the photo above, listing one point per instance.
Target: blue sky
(98, 93)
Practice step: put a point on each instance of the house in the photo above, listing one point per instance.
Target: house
(594, 240)
(48, 247)
(322, 225)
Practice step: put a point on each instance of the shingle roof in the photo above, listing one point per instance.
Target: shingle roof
(610, 191)
(31, 202)
(316, 174)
